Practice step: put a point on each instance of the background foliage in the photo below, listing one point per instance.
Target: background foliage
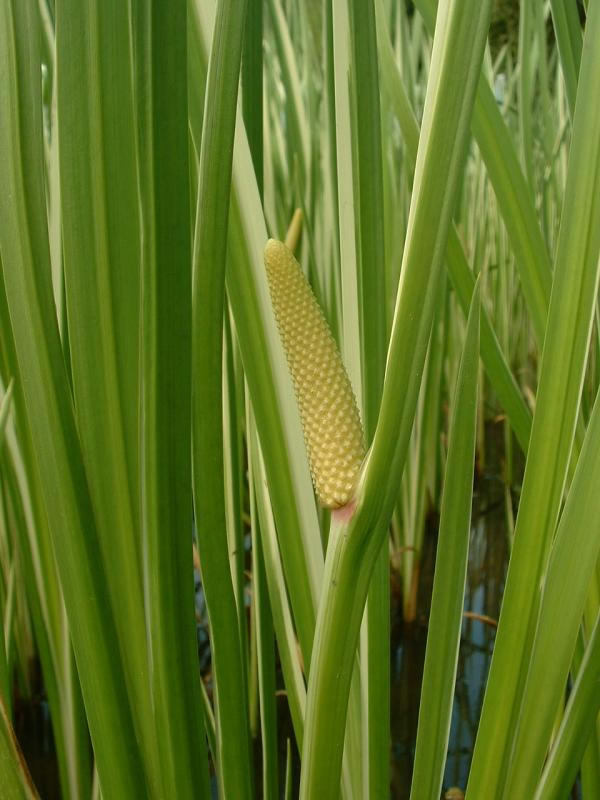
(449, 193)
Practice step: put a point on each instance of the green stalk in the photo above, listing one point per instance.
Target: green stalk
(355, 545)
(210, 242)
(445, 621)
(561, 378)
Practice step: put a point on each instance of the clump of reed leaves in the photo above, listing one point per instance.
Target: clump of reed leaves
(451, 209)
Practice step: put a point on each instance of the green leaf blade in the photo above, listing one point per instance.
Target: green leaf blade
(210, 243)
(101, 244)
(445, 622)
(577, 728)
(561, 378)
(160, 73)
(575, 552)
(26, 264)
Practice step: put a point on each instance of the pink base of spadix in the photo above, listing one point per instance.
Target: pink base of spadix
(344, 513)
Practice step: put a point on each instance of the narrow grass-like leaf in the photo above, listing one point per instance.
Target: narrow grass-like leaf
(359, 200)
(526, 59)
(233, 404)
(288, 786)
(252, 86)
(578, 725)
(329, 148)
(210, 243)
(160, 70)
(5, 408)
(114, 383)
(561, 377)
(299, 137)
(44, 596)
(445, 620)
(100, 228)
(26, 264)
(101, 243)
(511, 192)
(5, 682)
(265, 643)
(282, 621)
(516, 206)
(347, 193)
(461, 276)
(496, 364)
(565, 19)
(572, 564)
(15, 633)
(372, 340)
(439, 156)
(369, 209)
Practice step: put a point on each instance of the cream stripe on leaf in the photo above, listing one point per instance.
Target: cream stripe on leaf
(330, 419)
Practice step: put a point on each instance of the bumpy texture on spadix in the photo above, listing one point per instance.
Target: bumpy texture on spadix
(330, 418)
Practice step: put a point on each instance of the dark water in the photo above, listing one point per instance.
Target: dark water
(33, 728)
(488, 553)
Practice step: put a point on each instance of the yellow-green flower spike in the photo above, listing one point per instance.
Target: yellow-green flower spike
(328, 410)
